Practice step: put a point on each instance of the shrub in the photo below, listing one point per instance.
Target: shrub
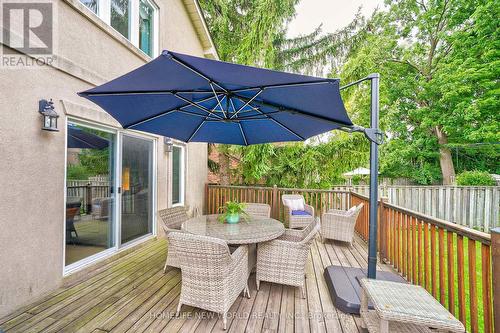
(475, 178)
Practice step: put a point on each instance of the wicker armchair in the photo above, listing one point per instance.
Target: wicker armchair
(283, 260)
(339, 224)
(297, 221)
(100, 208)
(212, 277)
(172, 219)
(258, 209)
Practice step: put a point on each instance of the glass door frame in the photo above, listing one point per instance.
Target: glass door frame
(153, 140)
(117, 181)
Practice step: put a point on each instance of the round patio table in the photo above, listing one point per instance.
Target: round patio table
(249, 230)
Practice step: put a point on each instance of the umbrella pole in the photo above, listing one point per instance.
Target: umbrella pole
(374, 120)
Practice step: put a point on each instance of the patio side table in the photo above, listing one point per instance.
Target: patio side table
(401, 307)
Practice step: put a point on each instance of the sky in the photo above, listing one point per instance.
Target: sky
(334, 14)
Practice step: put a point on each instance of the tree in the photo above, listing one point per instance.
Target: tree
(253, 32)
(439, 64)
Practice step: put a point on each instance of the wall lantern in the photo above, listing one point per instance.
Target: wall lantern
(169, 144)
(49, 122)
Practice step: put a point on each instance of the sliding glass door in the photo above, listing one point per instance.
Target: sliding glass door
(136, 188)
(109, 191)
(90, 199)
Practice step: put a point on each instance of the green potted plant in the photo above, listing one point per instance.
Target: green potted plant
(232, 211)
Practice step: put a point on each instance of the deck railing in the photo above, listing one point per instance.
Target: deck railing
(452, 262)
(321, 200)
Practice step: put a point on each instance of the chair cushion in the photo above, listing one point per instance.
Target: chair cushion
(294, 204)
(352, 210)
(300, 212)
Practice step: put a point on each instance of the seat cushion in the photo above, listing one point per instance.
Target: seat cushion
(294, 204)
(300, 212)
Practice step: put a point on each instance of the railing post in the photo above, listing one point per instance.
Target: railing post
(274, 203)
(205, 207)
(89, 198)
(383, 230)
(495, 264)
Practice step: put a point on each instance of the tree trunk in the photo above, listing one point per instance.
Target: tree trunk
(224, 171)
(445, 158)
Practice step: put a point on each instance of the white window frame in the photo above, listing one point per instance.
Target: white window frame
(104, 13)
(182, 176)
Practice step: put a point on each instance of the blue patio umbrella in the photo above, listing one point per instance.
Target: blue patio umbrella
(78, 138)
(202, 100)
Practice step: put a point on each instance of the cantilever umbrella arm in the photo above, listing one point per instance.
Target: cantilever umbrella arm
(375, 136)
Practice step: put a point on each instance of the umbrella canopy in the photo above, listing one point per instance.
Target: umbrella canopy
(201, 100)
(357, 172)
(78, 138)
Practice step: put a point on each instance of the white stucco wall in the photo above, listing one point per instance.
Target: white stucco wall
(32, 161)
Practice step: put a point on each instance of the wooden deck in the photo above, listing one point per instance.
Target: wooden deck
(132, 294)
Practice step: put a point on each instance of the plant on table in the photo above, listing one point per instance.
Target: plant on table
(232, 211)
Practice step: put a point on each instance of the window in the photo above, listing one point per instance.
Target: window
(178, 175)
(120, 16)
(146, 27)
(136, 20)
(91, 4)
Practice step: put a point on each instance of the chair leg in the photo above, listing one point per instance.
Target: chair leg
(165, 267)
(258, 284)
(303, 291)
(178, 309)
(247, 291)
(224, 320)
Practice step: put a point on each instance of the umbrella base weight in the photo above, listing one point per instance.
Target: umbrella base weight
(344, 287)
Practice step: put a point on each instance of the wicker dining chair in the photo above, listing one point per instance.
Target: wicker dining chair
(172, 219)
(212, 277)
(339, 224)
(258, 209)
(292, 219)
(283, 260)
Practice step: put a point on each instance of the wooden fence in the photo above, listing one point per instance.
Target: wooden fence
(452, 262)
(477, 207)
(85, 191)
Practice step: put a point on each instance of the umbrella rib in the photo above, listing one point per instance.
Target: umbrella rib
(283, 85)
(280, 124)
(159, 92)
(149, 119)
(287, 128)
(292, 110)
(217, 98)
(170, 111)
(196, 130)
(243, 134)
(194, 70)
(247, 103)
(201, 107)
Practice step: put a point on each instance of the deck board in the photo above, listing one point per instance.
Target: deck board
(132, 294)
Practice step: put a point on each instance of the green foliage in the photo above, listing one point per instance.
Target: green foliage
(231, 208)
(306, 165)
(95, 161)
(475, 178)
(77, 172)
